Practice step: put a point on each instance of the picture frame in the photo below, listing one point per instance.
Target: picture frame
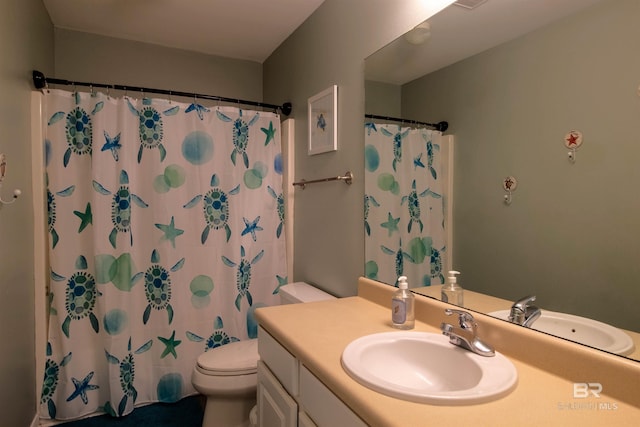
(323, 121)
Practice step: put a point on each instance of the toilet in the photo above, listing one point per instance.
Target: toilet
(227, 375)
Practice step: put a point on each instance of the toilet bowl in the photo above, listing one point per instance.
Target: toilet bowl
(226, 375)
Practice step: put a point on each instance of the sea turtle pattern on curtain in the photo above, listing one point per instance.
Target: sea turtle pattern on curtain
(165, 233)
(404, 220)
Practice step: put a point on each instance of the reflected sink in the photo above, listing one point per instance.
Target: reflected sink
(424, 367)
(579, 329)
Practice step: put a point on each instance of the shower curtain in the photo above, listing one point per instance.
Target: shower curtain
(404, 205)
(165, 232)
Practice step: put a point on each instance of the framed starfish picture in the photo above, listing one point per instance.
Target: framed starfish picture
(323, 121)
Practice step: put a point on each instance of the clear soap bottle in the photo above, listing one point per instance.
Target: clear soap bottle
(452, 292)
(402, 306)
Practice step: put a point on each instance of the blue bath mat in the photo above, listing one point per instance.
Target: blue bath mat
(186, 413)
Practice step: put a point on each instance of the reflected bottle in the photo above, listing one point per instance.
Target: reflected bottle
(452, 292)
(403, 306)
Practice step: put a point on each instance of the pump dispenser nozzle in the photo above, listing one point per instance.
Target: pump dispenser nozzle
(402, 282)
(452, 276)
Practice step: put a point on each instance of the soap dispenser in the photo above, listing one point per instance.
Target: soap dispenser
(402, 306)
(451, 291)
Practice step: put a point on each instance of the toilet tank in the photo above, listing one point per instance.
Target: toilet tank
(299, 292)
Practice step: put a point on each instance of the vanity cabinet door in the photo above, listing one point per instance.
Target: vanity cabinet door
(275, 407)
(322, 406)
(280, 362)
(305, 421)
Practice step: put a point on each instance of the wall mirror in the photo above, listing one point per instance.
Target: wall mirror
(513, 79)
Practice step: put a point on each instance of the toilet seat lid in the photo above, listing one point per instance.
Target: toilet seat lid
(240, 357)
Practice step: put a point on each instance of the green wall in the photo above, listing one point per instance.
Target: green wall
(26, 42)
(330, 48)
(383, 99)
(94, 58)
(571, 234)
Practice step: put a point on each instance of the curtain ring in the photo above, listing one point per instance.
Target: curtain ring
(76, 95)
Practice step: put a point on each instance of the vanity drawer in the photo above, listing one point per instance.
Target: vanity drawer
(324, 407)
(282, 363)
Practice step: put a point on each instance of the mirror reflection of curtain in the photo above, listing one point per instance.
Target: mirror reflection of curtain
(404, 204)
(165, 235)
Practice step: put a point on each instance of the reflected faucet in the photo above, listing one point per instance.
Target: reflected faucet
(523, 313)
(465, 336)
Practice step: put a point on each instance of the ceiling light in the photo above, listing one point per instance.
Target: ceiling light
(420, 34)
(469, 4)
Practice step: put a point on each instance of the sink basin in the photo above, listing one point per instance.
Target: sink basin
(424, 367)
(580, 329)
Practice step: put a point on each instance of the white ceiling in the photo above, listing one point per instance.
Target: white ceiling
(458, 33)
(239, 29)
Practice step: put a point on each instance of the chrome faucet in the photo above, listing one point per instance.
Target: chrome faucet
(523, 313)
(465, 336)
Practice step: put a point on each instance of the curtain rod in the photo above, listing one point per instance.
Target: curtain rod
(440, 126)
(40, 81)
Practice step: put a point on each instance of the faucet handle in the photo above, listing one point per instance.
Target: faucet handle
(522, 309)
(465, 318)
(523, 303)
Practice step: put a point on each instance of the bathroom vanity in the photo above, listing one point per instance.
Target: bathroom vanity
(301, 380)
